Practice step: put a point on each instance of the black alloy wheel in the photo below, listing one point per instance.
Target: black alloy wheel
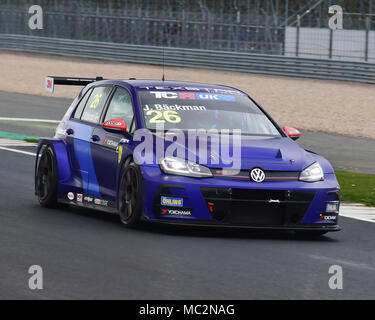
(47, 178)
(130, 196)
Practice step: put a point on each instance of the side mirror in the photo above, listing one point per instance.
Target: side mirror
(292, 132)
(115, 125)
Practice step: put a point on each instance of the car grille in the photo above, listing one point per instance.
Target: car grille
(245, 174)
(257, 207)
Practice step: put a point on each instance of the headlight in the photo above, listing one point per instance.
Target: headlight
(312, 173)
(184, 167)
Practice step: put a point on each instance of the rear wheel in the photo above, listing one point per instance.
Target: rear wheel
(130, 196)
(46, 178)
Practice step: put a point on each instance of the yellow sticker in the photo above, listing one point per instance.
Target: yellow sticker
(94, 104)
(331, 207)
(169, 116)
(172, 116)
(119, 154)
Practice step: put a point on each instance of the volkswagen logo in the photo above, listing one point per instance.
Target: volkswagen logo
(257, 175)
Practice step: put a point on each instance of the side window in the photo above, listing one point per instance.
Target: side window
(81, 105)
(95, 104)
(121, 107)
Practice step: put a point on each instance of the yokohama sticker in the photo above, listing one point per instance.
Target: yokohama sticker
(176, 212)
(328, 217)
(111, 142)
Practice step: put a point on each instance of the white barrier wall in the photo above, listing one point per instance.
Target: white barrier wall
(315, 43)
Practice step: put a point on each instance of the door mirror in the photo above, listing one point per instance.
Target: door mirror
(115, 125)
(292, 132)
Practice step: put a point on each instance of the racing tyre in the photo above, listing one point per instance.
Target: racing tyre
(46, 178)
(130, 196)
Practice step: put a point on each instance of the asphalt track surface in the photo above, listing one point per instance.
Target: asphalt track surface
(90, 255)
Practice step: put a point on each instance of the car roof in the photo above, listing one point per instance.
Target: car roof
(170, 84)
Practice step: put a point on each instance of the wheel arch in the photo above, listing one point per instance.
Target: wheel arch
(62, 159)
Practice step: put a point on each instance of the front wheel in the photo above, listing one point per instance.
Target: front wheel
(130, 196)
(46, 178)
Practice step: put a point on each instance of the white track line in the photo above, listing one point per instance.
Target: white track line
(358, 212)
(29, 120)
(18, 151)
(357, 218)
(15, 143)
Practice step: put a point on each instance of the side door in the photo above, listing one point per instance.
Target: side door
(80, 134)
(105, 149)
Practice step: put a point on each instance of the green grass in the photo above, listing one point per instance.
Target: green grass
(17, 136)
(32, 140)
(357, 187)
(31, 124)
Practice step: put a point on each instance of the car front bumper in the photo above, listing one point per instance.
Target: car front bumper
(220, 202)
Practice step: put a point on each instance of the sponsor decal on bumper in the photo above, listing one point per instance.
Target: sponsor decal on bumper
(71, 196)
(173, 202)
(79, 197)
(176, 212)
(332, 207)
(328, 217)
(88, 199)
(101, 202)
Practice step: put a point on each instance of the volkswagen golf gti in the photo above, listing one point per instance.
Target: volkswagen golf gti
(183, 153)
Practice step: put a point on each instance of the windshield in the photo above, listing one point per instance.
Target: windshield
(201, 110)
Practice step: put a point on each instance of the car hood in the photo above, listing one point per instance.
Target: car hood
(268, 153)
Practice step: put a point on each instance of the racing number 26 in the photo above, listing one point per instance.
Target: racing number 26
(160, 117)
